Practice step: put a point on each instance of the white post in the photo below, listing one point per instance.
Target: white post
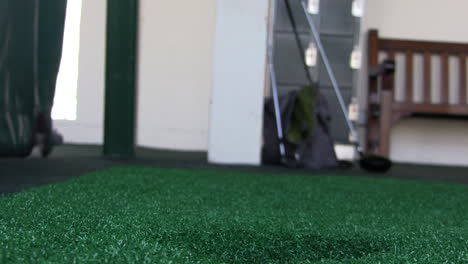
(236, 120)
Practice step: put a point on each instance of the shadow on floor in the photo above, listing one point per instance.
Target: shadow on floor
(70, 161)
(242, 246)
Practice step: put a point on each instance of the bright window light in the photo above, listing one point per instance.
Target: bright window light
(65, 101)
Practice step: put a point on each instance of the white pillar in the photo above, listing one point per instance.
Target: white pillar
(235, 134)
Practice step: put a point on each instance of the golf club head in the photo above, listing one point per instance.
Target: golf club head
(375, 163)
(290, 162)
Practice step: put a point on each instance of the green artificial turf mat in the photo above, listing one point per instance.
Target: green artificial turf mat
(143, 215)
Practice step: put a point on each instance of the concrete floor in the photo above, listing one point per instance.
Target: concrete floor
(71, 161)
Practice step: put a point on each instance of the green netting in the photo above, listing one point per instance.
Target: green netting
(31, 37)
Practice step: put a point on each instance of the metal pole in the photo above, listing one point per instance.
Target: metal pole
(274, 87)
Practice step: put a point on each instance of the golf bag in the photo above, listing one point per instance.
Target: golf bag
(296, 128)
(306, 122)
(31, 37)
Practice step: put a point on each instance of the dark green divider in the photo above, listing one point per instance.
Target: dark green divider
(121, 57)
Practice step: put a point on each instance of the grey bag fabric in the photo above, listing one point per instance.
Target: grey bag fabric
(270, 148)
(316, 151)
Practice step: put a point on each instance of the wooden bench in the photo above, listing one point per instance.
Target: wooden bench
(384, 110)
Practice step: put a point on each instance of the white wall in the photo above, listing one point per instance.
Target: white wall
(67, 80)
(88, 128)
(175, 73)
(175, 64)
(417, 140)
(419, 19)
(176, 54)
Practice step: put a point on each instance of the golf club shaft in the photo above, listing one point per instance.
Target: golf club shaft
(274, 87)
(329, 70)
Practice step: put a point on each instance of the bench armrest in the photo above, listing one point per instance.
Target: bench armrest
(386, 67)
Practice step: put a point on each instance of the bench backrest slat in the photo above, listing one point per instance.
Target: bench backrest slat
(444, 93)
(427, 91)
(409, 76)
(463, 83)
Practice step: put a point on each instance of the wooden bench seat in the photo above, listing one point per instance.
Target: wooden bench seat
(384, 110)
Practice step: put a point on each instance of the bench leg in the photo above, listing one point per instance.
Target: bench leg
(372, 132)
(386, 121)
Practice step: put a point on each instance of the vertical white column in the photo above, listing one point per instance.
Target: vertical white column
(235, 134)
